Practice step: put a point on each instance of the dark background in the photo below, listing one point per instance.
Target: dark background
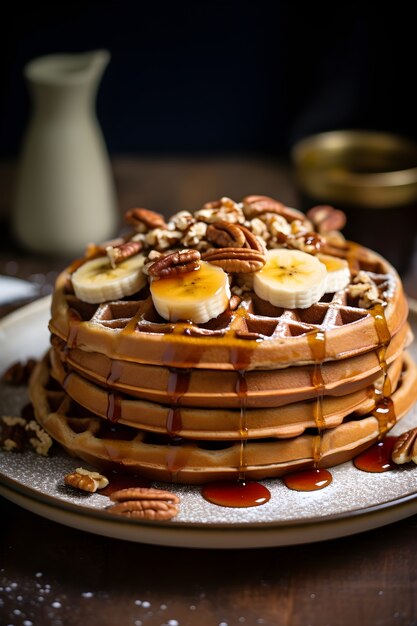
(222, 76)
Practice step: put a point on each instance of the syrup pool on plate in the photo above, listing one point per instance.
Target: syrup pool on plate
(377, 458)
(236, 494)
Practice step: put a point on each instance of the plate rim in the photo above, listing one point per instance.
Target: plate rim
(212, 535)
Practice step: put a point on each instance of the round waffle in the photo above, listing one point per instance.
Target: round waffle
(286, 420)
(255, 335)
(217, 388)
(117, 447)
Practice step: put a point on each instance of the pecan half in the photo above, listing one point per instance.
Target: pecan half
(86, 480)
(144, 219)
(405, 448)
(145, 509)
(178, 262)
(326, 218)
(143, 493)
(227, 235)
(145, 503)
(236, 260)
(254, 206)
(118, 254)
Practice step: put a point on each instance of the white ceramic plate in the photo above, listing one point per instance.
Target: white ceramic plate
(354, 502)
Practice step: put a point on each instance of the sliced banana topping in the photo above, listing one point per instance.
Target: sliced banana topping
(291, 279)
(338, 273)
(97, 281)
(196, 296)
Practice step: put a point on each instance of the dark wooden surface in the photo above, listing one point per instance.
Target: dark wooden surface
(54, 575)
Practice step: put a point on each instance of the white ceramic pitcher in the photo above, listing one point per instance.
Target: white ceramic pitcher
(65, 196)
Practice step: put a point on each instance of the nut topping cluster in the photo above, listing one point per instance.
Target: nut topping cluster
(232, 235)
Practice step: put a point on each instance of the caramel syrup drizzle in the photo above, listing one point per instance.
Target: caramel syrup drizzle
(317, 343)
(384, 406)
(242, 393)
(240, 359)
(177, 387)
(114, 402)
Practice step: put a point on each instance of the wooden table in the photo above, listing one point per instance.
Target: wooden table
(54, 575)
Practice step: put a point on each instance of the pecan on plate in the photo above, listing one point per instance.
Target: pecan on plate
(236, 260)
(405, 448)
(144, 219)
(145, 503)
(176, 263)
(86, 480)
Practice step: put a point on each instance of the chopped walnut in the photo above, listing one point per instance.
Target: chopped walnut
(153, 256)
(277, 225)
(224, 209)
(307, 242)
(259, 228)
(162, 238)
(181, 221)
(38, 438)
(195, 235)
(365, 290)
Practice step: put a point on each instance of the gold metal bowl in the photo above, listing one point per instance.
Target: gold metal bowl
(357, 168)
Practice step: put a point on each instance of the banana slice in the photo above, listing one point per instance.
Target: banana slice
(291, 279)
(338, 273)
(97, 281)
(195, 296)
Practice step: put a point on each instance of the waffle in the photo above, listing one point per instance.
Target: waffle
(217, 388)
(116, 447)
(286, 420)
(257, 391)
(256, 335)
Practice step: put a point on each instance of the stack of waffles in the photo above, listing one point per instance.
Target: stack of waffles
(245, 339)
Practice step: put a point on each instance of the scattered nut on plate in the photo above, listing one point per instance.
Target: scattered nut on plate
(86, 480)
